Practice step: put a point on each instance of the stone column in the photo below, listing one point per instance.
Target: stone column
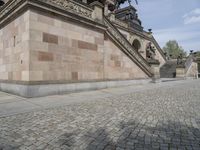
(155, 68)
(97, 13)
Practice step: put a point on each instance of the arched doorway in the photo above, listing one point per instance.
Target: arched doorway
(136, 44)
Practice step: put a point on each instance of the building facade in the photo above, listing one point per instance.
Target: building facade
(54, 46)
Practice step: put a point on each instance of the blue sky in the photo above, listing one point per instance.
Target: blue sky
(172, 20)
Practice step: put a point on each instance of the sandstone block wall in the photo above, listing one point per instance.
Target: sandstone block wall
(42, 47)
(14, 49)
(62, 50)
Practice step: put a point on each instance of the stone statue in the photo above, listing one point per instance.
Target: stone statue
(119, 2)
(115, 5)
(101, 1)
(180, 59)
(2, 3)
(150, 51)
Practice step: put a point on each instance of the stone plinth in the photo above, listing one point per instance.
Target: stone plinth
(97, 14)
(155, 68)
(112, 17)
(38, 90)
(180, 72)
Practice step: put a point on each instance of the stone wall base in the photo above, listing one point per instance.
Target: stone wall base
(30, 91)
(180, 72)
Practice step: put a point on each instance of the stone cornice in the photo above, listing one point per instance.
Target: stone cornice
(65, 8)
(9, 7)
(10, 10)
(68, 5)
(71, 6)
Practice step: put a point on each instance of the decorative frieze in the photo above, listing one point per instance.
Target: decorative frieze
(68, 5)
(9, 6)
(71, 6)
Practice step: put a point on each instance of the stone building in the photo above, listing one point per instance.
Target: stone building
(55, 46)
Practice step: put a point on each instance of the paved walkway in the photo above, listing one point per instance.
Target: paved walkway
(153, 116)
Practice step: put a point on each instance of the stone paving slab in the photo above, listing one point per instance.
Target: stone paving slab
(162, 116)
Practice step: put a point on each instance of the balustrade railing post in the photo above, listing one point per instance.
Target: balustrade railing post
(84, 1)
(97, 13)
(112, 17)
(155, 69)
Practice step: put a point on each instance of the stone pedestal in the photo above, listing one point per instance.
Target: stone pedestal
(112, 17)
(106, 11)
(97, 14)
(155, 68)
(180, 72)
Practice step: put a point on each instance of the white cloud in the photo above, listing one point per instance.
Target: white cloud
(192, 17)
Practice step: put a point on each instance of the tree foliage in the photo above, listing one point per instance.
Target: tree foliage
(173, 49)
(197, 54)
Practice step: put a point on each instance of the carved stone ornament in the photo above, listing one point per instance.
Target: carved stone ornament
(71, 6)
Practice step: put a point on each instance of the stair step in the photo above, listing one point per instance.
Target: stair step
(168, 70)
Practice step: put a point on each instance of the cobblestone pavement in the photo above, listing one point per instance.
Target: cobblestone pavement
(166, 118)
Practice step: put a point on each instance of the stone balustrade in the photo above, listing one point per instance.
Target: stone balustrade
(133, 54)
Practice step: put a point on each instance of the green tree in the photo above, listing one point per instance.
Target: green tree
(173, 49)
(197, 54)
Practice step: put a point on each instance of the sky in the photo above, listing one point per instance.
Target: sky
(172, 20)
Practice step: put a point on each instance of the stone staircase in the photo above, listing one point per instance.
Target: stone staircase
(168, 70)
(126, 47)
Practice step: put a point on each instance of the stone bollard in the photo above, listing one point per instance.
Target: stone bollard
(155, 68)
(180, 72)
(97, 13)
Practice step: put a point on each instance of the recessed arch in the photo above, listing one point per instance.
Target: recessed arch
(136, 44)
